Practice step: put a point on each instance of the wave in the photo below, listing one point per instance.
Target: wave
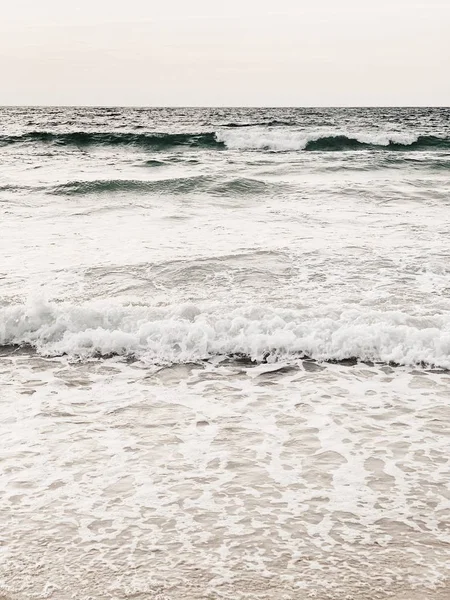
(273, 123)
(158, 141)
(282, 141)
(244, 186)
(12, 188)
(391, 142)
(189, 333)
(21, 188)
(429, 163)
(180, 185)
(101, 186)
(154, 163)
(242, 137)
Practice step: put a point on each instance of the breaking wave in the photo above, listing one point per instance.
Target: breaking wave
(189, 333)
(241, 137)
(282, 141)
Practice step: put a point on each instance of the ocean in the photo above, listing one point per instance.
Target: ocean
(224, 353)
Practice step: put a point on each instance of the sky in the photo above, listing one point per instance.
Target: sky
(233, 53)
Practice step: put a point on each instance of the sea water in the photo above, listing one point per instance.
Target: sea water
(224, 354)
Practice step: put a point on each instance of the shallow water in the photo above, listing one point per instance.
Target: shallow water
(224, 356)
(200, 482)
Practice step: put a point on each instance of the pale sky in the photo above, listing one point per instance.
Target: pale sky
(227, 53)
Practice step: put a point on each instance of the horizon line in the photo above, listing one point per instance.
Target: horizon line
(219, 106)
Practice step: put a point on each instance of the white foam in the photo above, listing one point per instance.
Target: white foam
(279, 140)
(186, 333)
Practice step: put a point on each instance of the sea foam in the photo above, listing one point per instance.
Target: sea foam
(187, 333)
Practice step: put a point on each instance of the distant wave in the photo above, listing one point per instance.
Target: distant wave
(241, 137)
(188, 333)
(21, 188)
(273, 123)
(428, 163)
(12, 188)
(392, 142)
(99, 186)
(147, 140)
(244, 186)
(282, 141)
(180, 185)
(154, 163)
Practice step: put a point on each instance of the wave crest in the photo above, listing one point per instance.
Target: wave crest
(189, 333)
(282, 141)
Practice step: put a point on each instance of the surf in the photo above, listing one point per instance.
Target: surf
(187, 333)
